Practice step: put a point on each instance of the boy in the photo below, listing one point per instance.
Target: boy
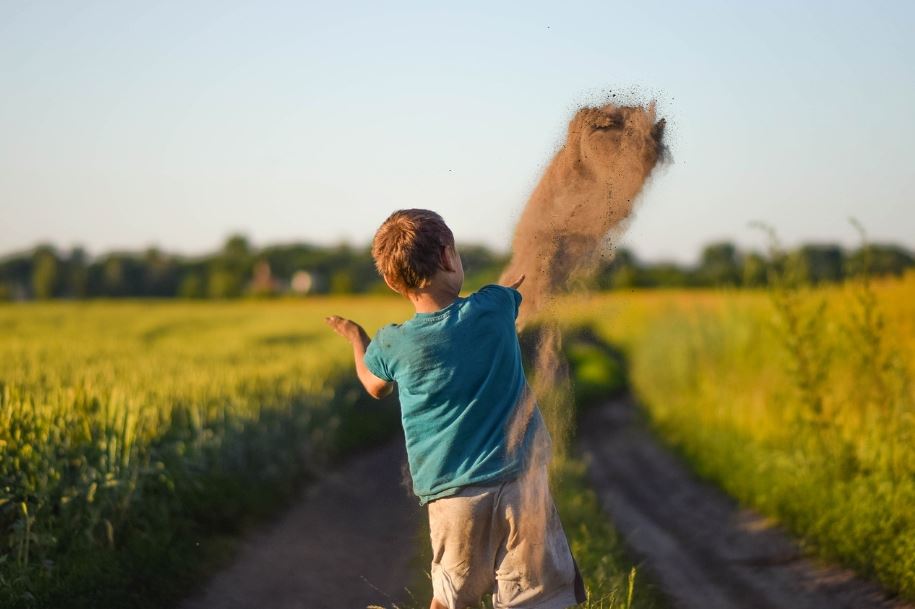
(457, 365)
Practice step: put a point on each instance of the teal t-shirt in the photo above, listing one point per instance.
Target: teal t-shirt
(459, 378)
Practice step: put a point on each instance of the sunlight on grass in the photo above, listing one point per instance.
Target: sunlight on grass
(801, 404)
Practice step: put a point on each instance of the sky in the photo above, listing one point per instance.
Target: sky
(125, 125)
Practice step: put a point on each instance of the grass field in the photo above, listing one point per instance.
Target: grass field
(138, 438)
(799, 402)
(130, 431)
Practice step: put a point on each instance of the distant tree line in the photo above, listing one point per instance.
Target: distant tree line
(235, 270)
(724, 265)
(238, 270)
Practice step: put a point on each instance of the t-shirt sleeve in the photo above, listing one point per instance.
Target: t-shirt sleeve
(509, 297)
(374, 359)
(516, 300)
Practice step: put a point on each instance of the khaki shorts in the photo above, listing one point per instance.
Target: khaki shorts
(505, 539)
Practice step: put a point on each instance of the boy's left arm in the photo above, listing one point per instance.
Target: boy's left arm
(356, 335)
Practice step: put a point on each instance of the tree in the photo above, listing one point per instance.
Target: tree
(160, 277)
(666, 274)
(820, 263)
(720, 265)
(878, 259)
(78, 273)
(113, 276)
(755, 270)
(230, 269)
(223, 284)
(191, 286)
(16, 274)
(236, 249)
(622, 271)
(45, 272)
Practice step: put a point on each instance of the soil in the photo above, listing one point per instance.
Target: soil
(701, 548)
(348, 542)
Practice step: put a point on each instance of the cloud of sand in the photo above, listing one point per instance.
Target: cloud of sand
(579, 207)
(586, 192)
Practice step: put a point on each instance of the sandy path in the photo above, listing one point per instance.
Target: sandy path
(348, 542)
(702, 549)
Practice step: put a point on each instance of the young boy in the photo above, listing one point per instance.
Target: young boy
(457, 365)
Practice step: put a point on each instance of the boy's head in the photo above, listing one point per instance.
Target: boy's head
(411, 247)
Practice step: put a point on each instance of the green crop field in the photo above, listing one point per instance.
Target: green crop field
(138, 438)
(799, 402)
(129, 428)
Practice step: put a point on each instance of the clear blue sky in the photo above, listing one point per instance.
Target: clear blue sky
(126, 124)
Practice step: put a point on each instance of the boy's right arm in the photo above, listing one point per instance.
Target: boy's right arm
(356, 335)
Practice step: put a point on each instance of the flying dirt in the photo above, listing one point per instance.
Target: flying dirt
(584, 197)
(580, 204)
(578, 208)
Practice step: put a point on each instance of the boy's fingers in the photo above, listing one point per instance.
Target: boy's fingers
(518, 282)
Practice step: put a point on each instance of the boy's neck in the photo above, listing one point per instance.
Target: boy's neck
(443, 287)
(432, 299)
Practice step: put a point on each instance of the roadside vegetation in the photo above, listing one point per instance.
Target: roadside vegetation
(796, 400)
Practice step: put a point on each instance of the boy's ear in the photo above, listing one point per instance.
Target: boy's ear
(388, 283)
(447, 263)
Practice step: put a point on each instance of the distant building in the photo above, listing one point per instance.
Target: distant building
(302, 282)
(263, 282)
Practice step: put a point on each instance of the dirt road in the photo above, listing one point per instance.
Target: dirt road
(350, 541)
(700, 547)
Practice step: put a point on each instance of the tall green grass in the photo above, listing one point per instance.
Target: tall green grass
(798, 402)
(136, 439)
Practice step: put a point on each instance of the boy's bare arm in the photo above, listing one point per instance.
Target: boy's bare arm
(356, 335)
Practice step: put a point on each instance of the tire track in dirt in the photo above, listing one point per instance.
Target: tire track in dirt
(702, 549)
(347, 542)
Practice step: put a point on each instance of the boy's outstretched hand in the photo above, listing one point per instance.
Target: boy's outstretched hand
(348, 329)
(356, 335)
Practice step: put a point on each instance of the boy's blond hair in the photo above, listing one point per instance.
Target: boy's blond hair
(407, 248)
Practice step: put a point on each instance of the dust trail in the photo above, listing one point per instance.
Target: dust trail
(586, 192)
(579, 206)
